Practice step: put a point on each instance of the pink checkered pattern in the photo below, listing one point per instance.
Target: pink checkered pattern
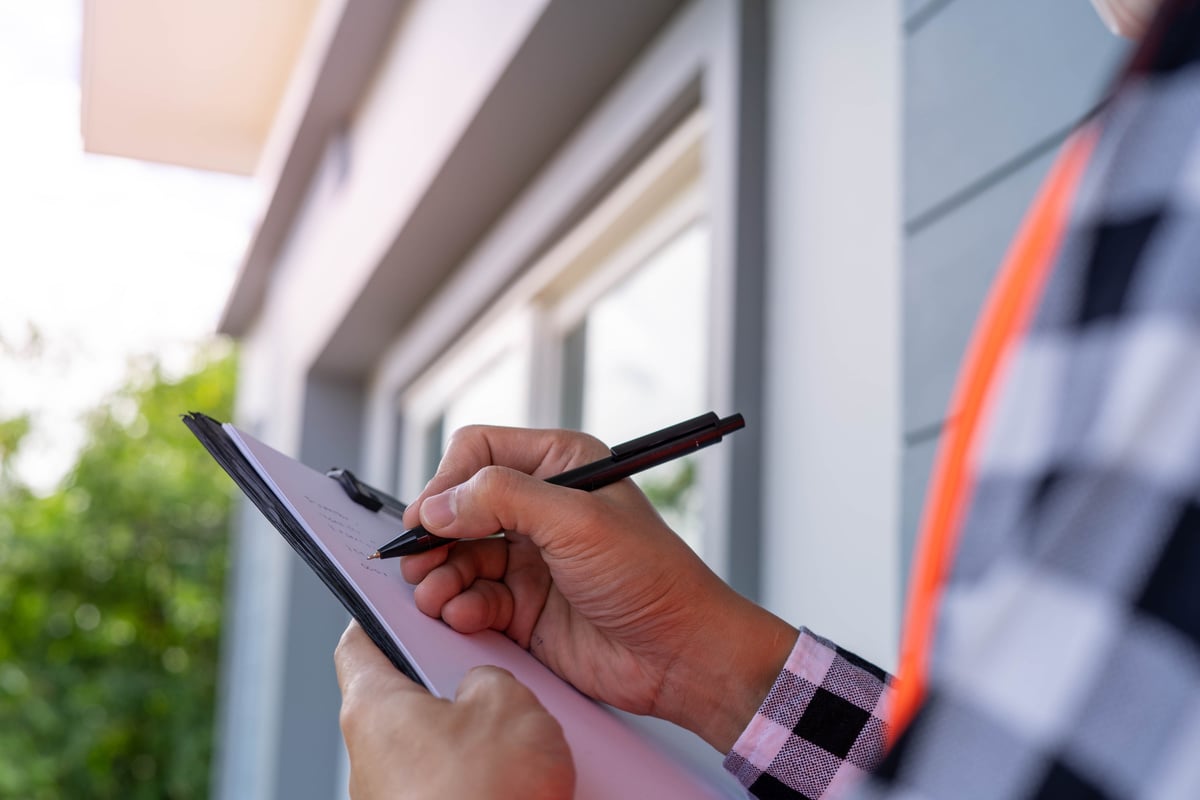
(822, 725)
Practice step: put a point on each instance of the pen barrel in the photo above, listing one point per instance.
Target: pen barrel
(409, 545)
(610, 470)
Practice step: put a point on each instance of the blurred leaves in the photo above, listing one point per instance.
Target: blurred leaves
(110, 596)
(12, 432)
(671, 493)
(674, 490)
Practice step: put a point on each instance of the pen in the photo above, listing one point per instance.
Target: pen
(625, 460)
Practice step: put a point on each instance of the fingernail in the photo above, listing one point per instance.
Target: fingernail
(438, 511)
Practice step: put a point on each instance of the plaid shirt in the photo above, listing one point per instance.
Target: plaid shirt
(1066, 661)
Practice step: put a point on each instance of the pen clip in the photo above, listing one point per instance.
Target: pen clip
(679, 430)
(366, 496)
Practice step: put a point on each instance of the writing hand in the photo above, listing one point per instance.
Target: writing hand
(493, 741)
(594, 584)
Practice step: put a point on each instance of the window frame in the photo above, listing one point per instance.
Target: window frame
(712, 57)
(662, 197)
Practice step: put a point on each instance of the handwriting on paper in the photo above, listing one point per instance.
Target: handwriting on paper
(353, 538)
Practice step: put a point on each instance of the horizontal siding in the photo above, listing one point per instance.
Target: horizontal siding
(987, 80)
(916, 12)
(991, 90)
(917, 465)
(949, 268)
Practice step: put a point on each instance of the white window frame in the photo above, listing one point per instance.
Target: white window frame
(427, 398)
(659, 199)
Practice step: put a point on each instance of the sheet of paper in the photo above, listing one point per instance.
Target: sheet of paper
(613, 759)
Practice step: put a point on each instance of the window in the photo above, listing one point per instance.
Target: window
(636, 361)
(606, 333)
(485, 380)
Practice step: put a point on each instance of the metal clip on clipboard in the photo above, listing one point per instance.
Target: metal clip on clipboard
(365, 495)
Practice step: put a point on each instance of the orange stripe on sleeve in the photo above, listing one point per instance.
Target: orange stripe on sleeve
(1004, 318)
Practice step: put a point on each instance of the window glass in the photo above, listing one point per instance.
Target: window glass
(638, 361)
(496, 395)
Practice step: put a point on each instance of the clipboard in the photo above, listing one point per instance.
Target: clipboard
(335, 521)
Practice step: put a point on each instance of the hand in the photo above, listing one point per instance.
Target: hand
(495, 740)
(593, 584)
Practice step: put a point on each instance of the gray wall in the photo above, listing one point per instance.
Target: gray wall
(991, 90)
(832, 374)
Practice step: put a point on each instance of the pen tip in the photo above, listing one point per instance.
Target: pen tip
(373, 555)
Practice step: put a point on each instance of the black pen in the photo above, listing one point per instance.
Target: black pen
(627, 459)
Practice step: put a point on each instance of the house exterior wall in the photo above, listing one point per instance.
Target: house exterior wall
(832, 465)
(990, 91)
(866, 162)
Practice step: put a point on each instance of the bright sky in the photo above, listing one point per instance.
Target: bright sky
(108, 258)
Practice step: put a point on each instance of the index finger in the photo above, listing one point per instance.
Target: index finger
(538, 452)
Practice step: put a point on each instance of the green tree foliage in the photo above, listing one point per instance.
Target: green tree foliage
(671, 493)
(110, 601)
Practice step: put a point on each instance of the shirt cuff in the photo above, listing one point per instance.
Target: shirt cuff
(822, 725)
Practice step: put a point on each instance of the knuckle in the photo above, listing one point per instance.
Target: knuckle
(591, 447)
(489, 678)
(350, 717)
(465, 448)
(576, 445)
(486, 685)
(492, 482)
(465, 437)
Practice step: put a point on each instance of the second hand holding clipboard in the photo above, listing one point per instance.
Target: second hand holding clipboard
(625, 460)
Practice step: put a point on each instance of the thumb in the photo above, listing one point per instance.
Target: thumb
(363, 669)
(494, 686)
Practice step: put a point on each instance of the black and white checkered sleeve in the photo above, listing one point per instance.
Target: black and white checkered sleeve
(1067, 658)
(820, 728)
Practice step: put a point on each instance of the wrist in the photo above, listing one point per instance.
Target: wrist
(718, 685)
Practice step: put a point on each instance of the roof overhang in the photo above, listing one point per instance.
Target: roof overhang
(190, 82)
(347, 41)
(539, 99)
